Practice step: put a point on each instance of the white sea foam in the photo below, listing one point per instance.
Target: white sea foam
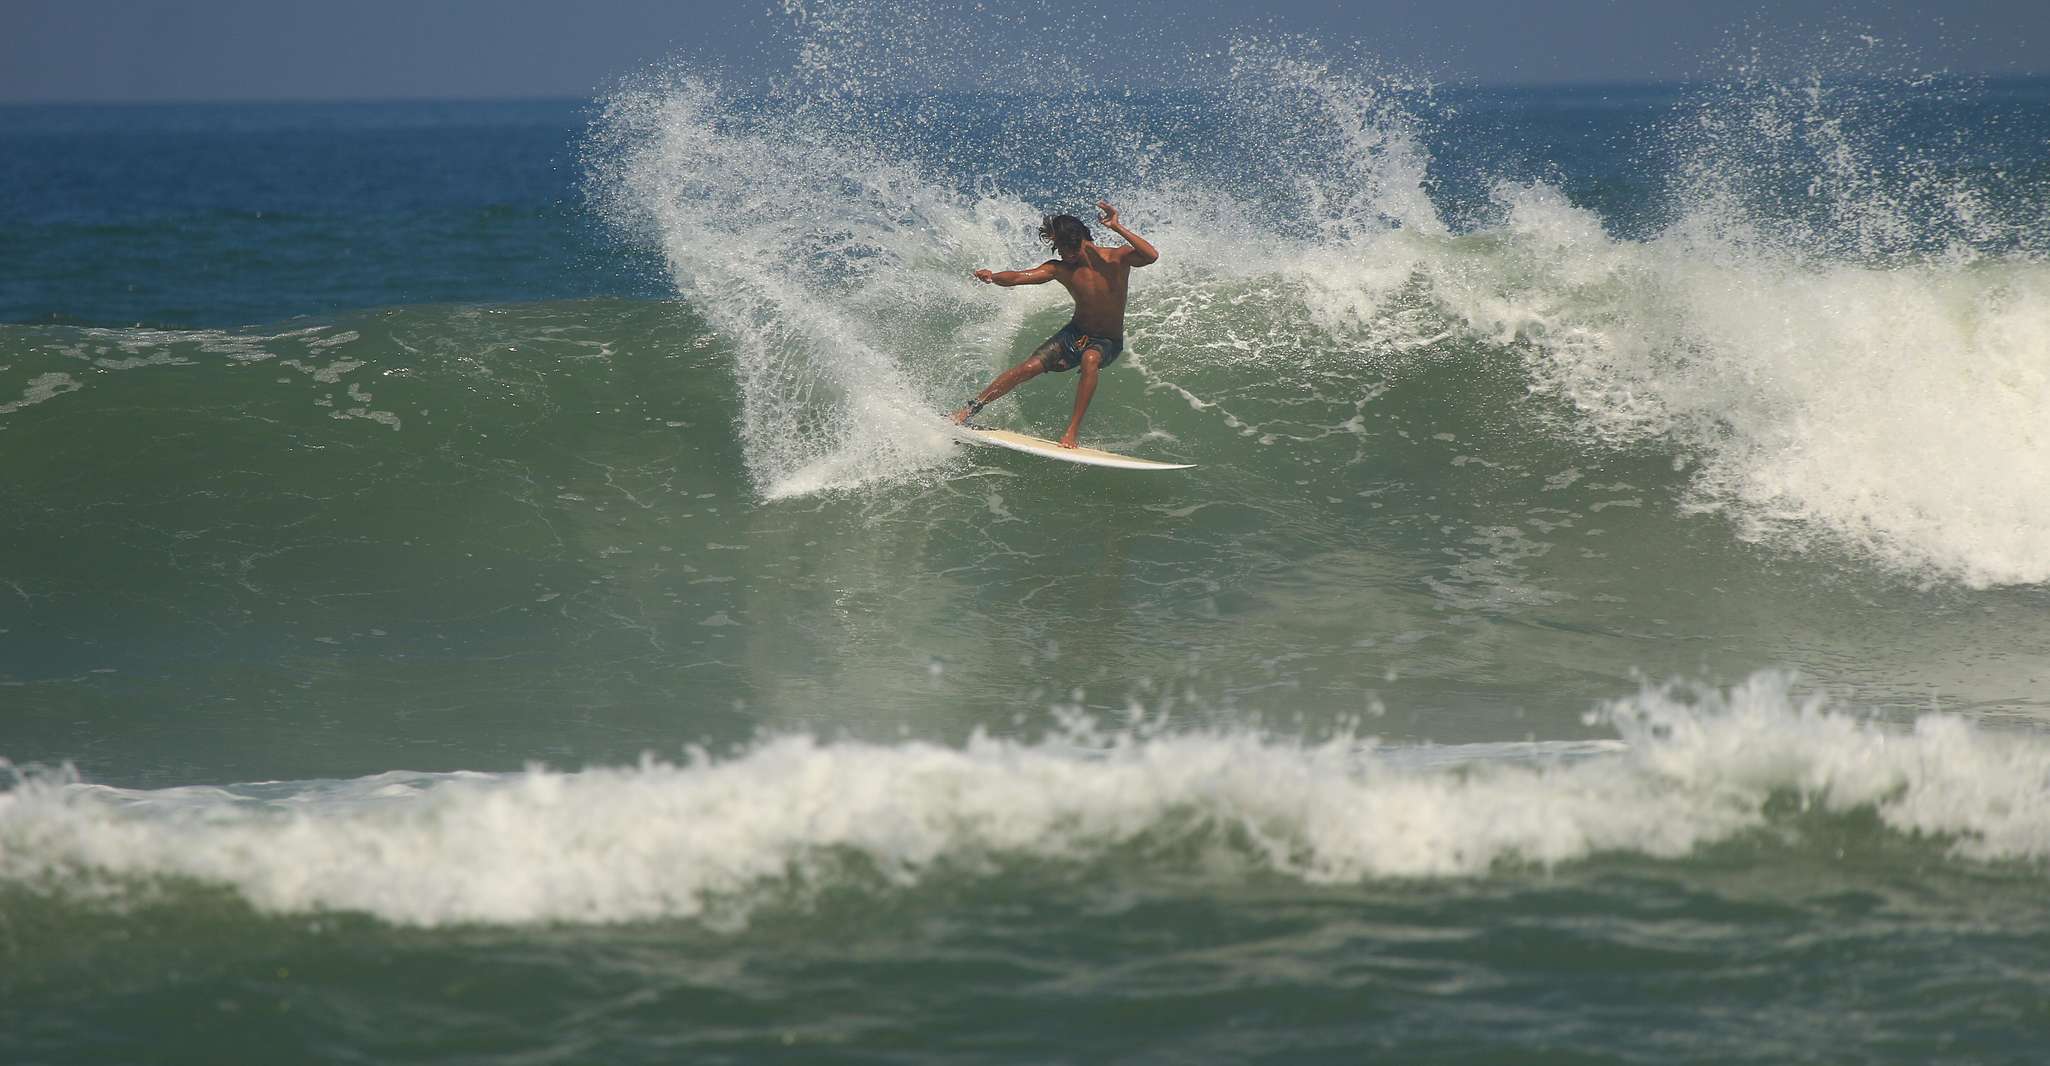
(660, 840)
(101, 350)
(42, 389)
(1899, 408)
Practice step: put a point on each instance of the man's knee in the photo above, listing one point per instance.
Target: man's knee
(1091, 360)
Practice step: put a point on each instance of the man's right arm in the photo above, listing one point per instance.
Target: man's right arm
(1141, 251)
(1038, 275)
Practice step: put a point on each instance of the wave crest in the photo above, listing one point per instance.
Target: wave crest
(712, 835)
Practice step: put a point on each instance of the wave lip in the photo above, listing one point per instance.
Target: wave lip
(687, 840)
(1895, 409)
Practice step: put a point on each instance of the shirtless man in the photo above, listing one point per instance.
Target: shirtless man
(1096, 278)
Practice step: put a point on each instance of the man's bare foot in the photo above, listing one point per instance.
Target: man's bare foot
(959, 418)
(1067, 439)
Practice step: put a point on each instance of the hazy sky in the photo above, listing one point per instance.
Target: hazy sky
(147, 50)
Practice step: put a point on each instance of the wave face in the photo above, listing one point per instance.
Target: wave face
(390, 526)
(714, 837)
(1841, 340)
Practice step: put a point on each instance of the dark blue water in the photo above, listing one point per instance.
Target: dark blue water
(243, 214)
(240, 214)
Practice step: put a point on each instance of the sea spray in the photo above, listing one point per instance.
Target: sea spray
(834, 241)
(795, 247)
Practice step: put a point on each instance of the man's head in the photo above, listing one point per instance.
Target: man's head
(1065, 232)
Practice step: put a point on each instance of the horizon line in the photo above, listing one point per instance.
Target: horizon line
(555, 98)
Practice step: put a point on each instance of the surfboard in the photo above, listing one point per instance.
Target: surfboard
(1019, 442)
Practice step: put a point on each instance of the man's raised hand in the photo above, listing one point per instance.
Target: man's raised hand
(1105, 213)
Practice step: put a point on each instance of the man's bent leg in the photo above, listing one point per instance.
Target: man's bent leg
(1085, 389)
(1032, 367)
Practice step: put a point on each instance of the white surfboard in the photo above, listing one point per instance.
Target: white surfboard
(1019, 442)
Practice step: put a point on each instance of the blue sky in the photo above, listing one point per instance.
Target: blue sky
(150, 50)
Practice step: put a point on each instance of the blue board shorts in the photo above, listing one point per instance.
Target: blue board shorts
(1069, 344)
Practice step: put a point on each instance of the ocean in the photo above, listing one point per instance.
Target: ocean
(488, 582)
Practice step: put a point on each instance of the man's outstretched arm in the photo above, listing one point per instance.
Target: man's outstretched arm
(1141, 251)
(1038, 275)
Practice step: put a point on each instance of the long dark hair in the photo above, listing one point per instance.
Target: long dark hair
(1065, 232)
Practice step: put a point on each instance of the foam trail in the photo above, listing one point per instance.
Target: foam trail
(661, 840)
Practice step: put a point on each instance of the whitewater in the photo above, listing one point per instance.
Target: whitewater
(1690, 770)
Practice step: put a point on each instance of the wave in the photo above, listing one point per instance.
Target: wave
(711, 836)
(1857, 374)
(1896, 409)
(1844, 344)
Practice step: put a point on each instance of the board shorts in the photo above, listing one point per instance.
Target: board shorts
(1069, 344)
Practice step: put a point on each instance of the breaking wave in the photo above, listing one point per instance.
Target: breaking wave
(1843, 342)
(711, 836)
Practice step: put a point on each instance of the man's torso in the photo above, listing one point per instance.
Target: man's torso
(1097, 279)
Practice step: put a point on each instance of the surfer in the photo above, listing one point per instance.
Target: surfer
(1096, 278)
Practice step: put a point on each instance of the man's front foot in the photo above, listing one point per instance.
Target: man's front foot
(959, 418)
(1067, 439)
